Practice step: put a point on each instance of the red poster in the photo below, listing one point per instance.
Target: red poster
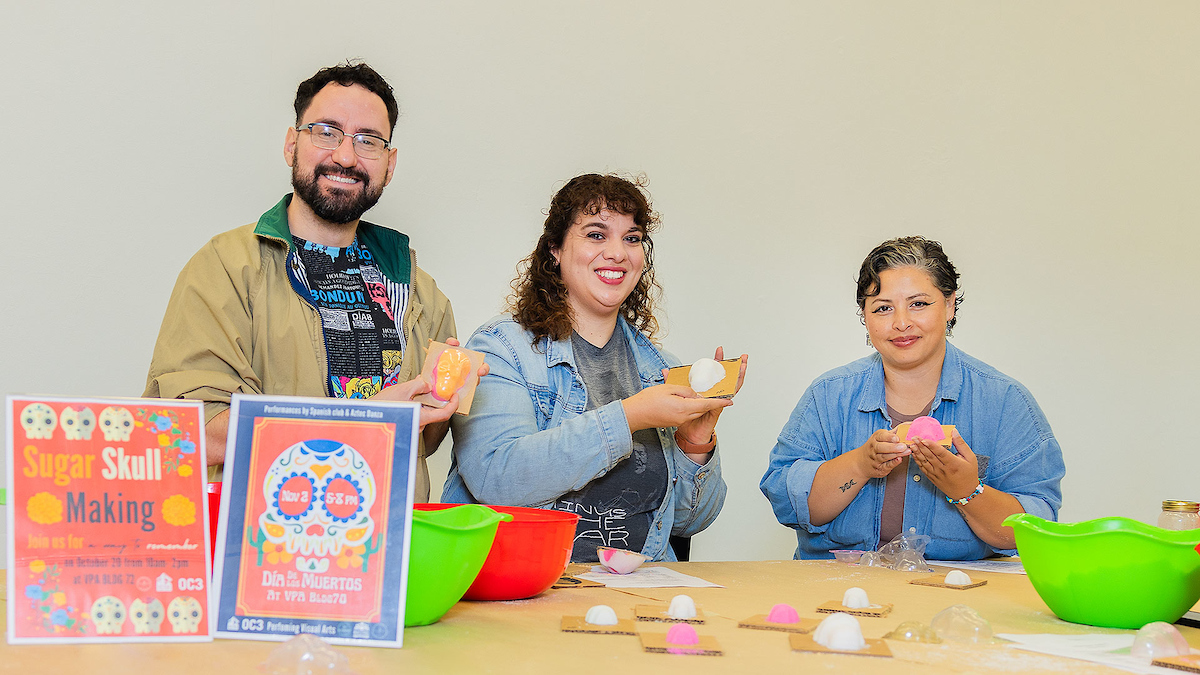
(107, 520)
(314, 555)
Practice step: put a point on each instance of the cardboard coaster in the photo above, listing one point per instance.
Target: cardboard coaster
(656, 643)
(726, 388)
(466, 392)
(577, 624)
(875, 611)
(805, 643)
(1187, 662)
(948, 429)
(659, 613)
(759, 622)
(939, 581)
(568, 581)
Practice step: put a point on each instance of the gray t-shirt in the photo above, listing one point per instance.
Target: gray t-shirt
(617, 508)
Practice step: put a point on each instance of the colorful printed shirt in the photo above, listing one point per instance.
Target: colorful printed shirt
(357, 316)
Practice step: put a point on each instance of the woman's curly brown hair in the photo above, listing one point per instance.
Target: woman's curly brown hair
(539, 298)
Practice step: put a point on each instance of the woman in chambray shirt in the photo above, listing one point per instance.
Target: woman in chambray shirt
(574, 415)
(841, 478)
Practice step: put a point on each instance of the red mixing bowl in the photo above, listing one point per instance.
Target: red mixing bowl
(528, 556)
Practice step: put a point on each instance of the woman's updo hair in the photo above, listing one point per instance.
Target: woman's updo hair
(539, 298)
(924, 254)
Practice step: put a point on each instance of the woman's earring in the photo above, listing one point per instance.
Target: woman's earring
(869, 344)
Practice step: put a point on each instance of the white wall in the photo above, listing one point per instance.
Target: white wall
(1052, 147)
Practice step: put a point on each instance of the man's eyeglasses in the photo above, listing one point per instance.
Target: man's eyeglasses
(329, 137)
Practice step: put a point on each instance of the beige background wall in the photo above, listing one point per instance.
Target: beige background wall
(1052, 147)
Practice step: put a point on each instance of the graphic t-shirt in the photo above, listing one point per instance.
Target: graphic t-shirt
(617, 508)
(361, 339)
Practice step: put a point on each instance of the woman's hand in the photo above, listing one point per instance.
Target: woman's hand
(881, 453)
(955, 475)
(700, 430)
(669, 405)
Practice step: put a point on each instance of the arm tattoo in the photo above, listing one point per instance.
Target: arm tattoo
(847, 486)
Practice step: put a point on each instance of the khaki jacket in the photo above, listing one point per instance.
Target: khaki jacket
(236, 322)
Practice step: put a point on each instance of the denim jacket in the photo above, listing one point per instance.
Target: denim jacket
(994, 414)
(529, 438)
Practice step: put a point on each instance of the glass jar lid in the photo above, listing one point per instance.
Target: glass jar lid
(1181, 505)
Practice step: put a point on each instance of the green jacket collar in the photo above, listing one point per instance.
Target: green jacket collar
(389, 247)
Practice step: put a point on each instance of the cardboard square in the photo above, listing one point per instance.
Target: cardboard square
(578, 624)
(659, 613)
(759, 622)
(802, 642)
(726, 388)
(948, 429)
(875, 611)
(1186, 662)
(939, 581)
(568, 581)
(656, 643)
(466, 393)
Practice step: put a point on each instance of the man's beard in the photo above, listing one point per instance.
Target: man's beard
(338, 205)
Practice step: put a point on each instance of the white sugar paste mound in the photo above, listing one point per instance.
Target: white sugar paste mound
(705, 374)
(601, 615)
(682, 607)
(855, 598)
(1158, 640)
(958, 578)
(840, 631)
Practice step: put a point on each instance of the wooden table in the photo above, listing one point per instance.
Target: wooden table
(524, 635)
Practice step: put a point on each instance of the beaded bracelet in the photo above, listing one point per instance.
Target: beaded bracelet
(962, 502)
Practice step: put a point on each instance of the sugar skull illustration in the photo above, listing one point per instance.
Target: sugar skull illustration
(146, 617)
(319, 495)
(78, 422)
(108, 615)
(184, 614)
(39, 421)
(116, 423)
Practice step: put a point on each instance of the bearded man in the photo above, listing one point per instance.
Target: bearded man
(310, 300)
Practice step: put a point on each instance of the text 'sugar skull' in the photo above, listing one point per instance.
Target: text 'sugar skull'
(116, 423)
(319, 495)
(78, 422)
(39, 420)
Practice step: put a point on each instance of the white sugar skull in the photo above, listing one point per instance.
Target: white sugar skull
(116, 423)
(78, 422)
(39, 421)
(185, 614)
(108, 614)
(319, 495)
(146, 617)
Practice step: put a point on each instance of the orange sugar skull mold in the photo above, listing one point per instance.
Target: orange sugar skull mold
(449, 370)
(451, 373)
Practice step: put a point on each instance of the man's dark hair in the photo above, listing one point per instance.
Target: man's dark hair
(347, 74)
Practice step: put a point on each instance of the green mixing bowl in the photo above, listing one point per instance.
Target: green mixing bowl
(446, 553)
(1112, 572)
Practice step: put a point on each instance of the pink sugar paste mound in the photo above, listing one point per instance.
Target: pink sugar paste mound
(927, 428)
(682, 634)
(782, 613)
(619, 561)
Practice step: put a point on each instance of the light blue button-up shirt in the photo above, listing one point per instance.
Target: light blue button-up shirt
(530, 438)
(994, 414)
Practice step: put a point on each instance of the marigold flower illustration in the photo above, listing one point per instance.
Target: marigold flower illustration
(44, 508)
(178, 510)
(60, 598)
(37, 566)
(164, 439)
(185, 470)
(276, 554)
(351, 556)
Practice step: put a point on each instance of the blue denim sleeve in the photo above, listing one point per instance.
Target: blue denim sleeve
(503, 457)
(699, 491)
(793, 465)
